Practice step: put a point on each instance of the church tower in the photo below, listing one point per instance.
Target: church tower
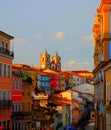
(56, 62)
(45, 60)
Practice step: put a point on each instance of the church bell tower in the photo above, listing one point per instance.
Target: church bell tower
(45, 60)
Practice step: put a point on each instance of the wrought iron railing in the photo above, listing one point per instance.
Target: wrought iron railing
(6, 52)
(21, 114)
(4, 103)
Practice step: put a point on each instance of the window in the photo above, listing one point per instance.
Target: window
(13, 84)
(4, 95)
(28, 90)
(5, 70)
(23, 93)
(18, 106)
(20, 84)
(16, 84)
(8, 70)
(23, 106)
(1, 95)
(2, 44)
(28, 106)
(13, 107)
(8, 95)
(6, 46)
(42, 58)
(0, 69)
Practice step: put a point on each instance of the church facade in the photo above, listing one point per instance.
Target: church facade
(47, 62)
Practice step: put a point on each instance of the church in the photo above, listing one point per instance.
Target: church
(47, 62)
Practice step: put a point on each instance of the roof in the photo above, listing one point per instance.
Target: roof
(84, 88)
(23, 67)
(50, 71)
(60, 101)
(81, 71)
(6, 35)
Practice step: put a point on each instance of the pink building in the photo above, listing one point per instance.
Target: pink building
(55, 82)
(16, 98)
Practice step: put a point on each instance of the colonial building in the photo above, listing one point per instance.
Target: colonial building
(6, 57)
(47, 63)
(16, 98)
(102, 54)
(27, 86)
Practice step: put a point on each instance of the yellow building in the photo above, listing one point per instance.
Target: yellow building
(69, 79)
(62, 81)
(102, 55)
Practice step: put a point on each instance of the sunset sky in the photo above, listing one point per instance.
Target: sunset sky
(64, 26)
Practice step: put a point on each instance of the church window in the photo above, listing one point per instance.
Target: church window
(0, 69)
(42, 58)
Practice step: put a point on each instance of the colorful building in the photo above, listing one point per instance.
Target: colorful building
(27, 100)
(44, 82)
(106, 108)
(69, 79)
(6, 57)
(16, 98)
(54, 79)
(102, 54)
(62, 80)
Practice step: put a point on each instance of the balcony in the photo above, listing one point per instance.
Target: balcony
(6, 52)
(16, 114)
(26, 114)
(21, 114)
(4, 103)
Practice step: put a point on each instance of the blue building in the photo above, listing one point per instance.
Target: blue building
(44, 82)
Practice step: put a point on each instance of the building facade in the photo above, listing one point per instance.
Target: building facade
(16, 98)
(6, 57)
(102, 54)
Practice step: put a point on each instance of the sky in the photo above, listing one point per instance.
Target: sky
(64, 26)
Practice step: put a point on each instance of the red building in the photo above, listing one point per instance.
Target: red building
(16, 98)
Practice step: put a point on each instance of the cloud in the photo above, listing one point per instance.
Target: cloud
(20, 40)
(39, 36)
(73, 65)
(87, 39)
(58, 36)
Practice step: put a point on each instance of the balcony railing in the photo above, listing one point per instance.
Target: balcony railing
(4, 103)
(17, 114)
(26, 114)
(6, 52)
(21, 114)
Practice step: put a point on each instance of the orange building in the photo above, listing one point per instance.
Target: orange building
(6, 57)
(102, 55)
